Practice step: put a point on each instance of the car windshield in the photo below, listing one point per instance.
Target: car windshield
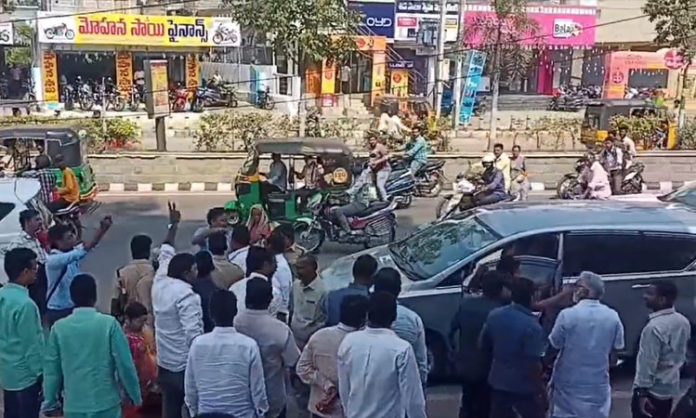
(431, 250)
(685, 195)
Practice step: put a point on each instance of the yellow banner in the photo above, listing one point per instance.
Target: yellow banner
(136, 30)
(159, 86)
(328, 84)
(399, 83)
(193, 72)
(50, 76)
(379, 78)
(124, 72)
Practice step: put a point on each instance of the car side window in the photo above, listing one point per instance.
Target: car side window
(627, 252)
(5, 209)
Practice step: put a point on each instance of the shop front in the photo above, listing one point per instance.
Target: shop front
(98, 46)
(557, 45)
(368, 73)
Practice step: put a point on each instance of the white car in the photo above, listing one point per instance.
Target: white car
(685, 195)
(16, 195)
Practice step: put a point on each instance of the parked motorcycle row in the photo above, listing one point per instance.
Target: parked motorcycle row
(87, 94)
(573, 98)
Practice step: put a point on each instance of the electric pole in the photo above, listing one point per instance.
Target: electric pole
(457, 89)
(440, 58)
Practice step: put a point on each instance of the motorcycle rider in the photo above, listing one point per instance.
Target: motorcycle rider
(379, 163)
(629, 146)
(596, 178)
(217, 79)
(359, 194)
(613, 162)
(502, 163)
(418, 150)
(493, 190)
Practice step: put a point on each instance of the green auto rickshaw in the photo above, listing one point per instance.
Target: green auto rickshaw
(24, 143)
(252, 188)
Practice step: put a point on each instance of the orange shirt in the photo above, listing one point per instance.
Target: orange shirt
(71, 188)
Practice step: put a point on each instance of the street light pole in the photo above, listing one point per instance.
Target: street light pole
(440, 58)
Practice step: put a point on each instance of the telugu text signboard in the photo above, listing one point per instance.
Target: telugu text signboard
(49, 64)
(146, 30)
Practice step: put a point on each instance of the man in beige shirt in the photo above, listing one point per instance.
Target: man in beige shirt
(136, 278)
(225, 273)
(317, 364)
(308, 293)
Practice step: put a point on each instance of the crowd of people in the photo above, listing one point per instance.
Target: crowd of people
(240, 327)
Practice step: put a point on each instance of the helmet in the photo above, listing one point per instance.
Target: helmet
(488, 159)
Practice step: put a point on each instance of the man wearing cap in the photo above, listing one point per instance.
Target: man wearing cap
(584, 337)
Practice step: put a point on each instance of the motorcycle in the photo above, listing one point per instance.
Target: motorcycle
(376, 225)
(633, 179)
(114, 98)
(572, 186)
(30, 96)
(85, 96)
(429, 179)
(136, 97)
(179, 98)
(209, 95)
(59, 31)
(264, 99)
(224, 34)
(69, 96)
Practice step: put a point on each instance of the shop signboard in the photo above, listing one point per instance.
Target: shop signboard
(474, 63)
(399, 83)
(376, 18)
(157, 86)
(6, 34)
(49, 63)
(408, 25)
(558, 26)
(146, 30)
(124, 72)
(193, 72)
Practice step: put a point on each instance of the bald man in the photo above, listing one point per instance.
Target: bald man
(584, 337)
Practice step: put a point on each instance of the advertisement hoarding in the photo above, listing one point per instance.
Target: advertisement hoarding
(376, 18)
(157, 84)
(146, 30)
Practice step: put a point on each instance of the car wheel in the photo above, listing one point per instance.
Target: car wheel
(437, 356)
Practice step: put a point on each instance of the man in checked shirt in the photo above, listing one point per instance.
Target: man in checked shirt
(46, 176)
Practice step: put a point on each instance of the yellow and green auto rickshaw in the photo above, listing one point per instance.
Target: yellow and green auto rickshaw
(599, 114)
(23, 143)
(251, 187)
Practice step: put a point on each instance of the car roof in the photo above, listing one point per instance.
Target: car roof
(18, 190)
(512, 218)
(303, 146)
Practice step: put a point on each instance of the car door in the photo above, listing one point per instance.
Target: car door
(629, 262)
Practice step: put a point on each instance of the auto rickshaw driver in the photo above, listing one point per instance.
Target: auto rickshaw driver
(312, 174)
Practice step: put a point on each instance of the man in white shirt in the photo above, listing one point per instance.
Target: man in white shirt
(261, 263)
(317, 364)
(282, 279)
(629, 146)
(278, 349)
(408, 325)
(377, 371)
(178, 317)
(224, 373)
(239, 247)
(391, 124)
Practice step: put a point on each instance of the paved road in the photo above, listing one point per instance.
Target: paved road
(135, 214)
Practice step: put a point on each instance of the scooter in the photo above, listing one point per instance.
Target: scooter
(633, 179)
(264, 99)
(451, 201)
(207, 95)
(571, 186)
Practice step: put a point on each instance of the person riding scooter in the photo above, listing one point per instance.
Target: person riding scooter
(493, 190)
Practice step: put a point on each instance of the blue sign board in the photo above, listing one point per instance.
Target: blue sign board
(377, 19)
(472, 72)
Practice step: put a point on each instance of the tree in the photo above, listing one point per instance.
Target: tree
(22, 56)
(309, 31)
(504, 36)
(675, 26)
